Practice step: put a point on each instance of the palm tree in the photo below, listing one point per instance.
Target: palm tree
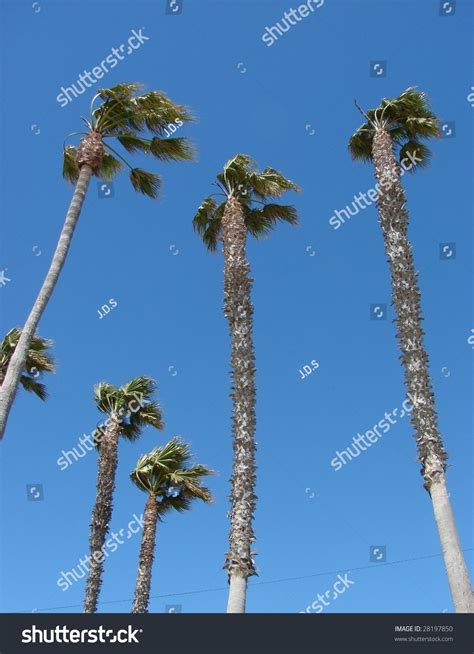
(243, 187)
(396, 128)
(127, 117)
(129, 409)
(38, 360)
(170, 485)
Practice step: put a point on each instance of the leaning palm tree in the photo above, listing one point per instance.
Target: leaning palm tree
(129, 409)
(170, 485)
(397, 128)
(38, 360)
(243, 211)
(129, 118)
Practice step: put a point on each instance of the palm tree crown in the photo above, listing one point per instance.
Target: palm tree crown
(131, 404)
(242, 180)
(408, 119)
(38, 360)
(129, 118)
(163, 473)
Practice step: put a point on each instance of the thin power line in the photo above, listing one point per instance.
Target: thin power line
(260, 583)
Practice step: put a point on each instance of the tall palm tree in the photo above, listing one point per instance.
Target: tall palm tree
(129, 409)
(397, 128)
(243, 211)
(38, 360)
(170, 484)
(127, 117)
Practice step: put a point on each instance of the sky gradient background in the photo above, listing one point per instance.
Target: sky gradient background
(312, 522)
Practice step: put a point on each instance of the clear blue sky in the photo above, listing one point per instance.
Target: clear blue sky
(307, 307)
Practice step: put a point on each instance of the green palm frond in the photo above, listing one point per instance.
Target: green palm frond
(38, 360)
(32, 386)
(410, 103)
(242, 180)
(276, 212)
(43, 362)
(180, 503)
(133, 143)
(148, 414)
(143, 476)
(145, 182)
(112, 117)
(204, 215)
(419, 152)
(116, 108)
(139, 123)
(261, 221)
(190, 481)
(423, 127)
(207, 222)
(120, 91)
(271, 184)
(154, 111)
(143, 385)
(407, 118)
(360, 143)
(212, 234)
(172, 149)
(162, 473)
(171, 456)
(109, 168)
(39, 354)
(414, 128)
(151, 111)
(152, 469)
(108, 398)
(132, 404)
(236, 172)
(70, 167)
(256, 224)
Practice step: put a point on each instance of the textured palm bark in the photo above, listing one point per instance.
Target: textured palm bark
(102, 512)
(238, 310)
(91, 151)
(393, 218)
(147, 554)
(89, 158)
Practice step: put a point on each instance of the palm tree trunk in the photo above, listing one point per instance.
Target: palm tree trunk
(147, 554)
(458, 574)
(238, 310)
(17, 362)
(237, 593)
(393, 218)
(102, 512)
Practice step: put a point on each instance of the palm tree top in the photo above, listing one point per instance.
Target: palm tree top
(408, 119)
(131, 404)
(165, 473)
(138, 123)
(241, 179)
(38, 361)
